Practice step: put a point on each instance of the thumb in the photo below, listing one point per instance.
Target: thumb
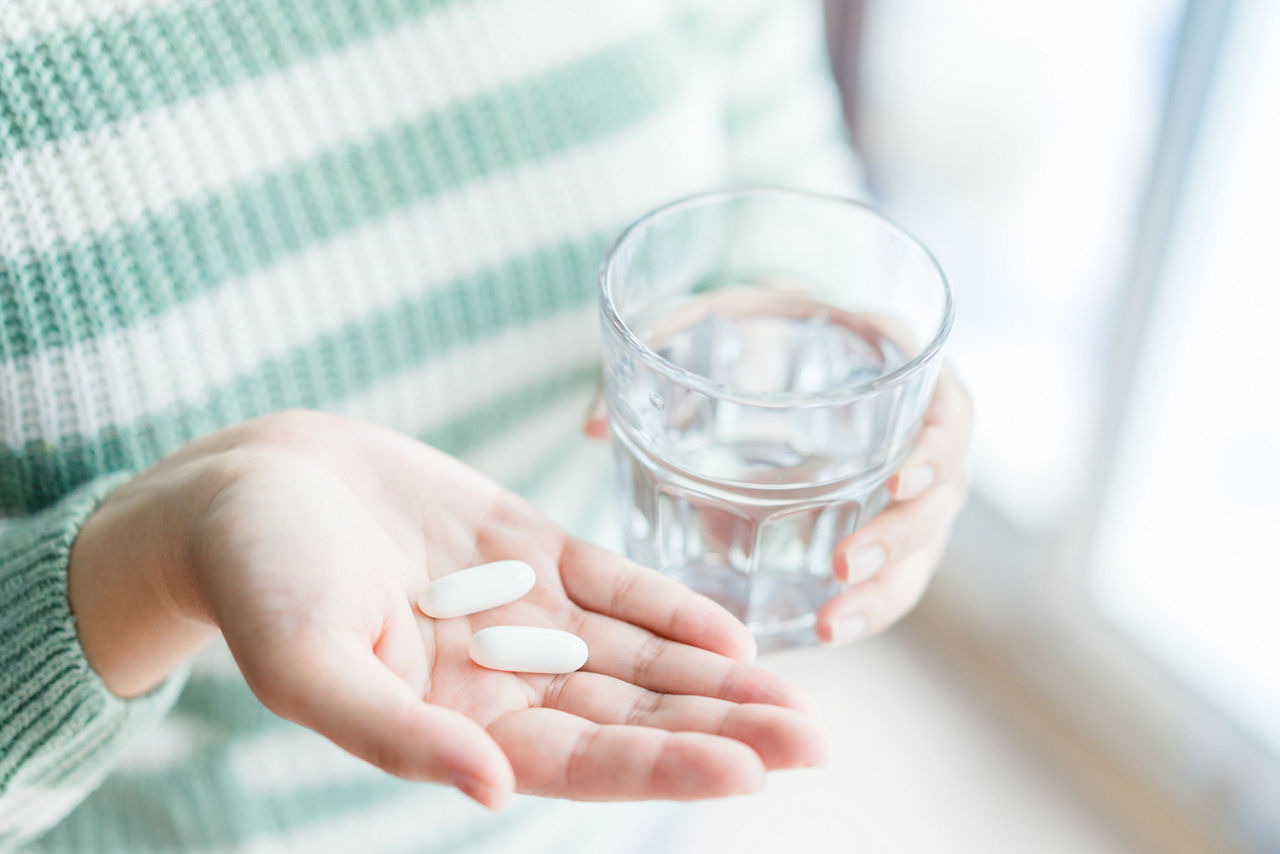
(340, 688)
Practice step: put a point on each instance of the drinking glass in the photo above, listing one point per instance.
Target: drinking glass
(769, 355)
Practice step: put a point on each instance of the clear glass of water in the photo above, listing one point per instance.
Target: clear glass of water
(769, 355)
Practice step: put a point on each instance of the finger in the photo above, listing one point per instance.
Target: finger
(897, 532)
(601, 581)
(560, 755)
(874, 605)
(944, 439)
(596, 424)
(345, 693)
(782, 738)
(630, 653)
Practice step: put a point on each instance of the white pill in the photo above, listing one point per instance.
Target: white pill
(527, 649)
(478, 588)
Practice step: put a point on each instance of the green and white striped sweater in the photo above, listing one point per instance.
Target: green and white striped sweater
(392, 209)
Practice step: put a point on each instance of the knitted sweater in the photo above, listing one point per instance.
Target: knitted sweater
(213, 209)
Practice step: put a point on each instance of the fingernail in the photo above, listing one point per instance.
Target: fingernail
(848, 628)
(483, 793)
(913, 481)
(864, 562)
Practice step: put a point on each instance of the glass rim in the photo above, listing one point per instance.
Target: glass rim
(776, 399)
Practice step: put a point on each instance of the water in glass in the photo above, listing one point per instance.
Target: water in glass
(750, 507)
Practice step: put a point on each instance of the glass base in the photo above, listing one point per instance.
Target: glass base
(793, 634)
(796, 596)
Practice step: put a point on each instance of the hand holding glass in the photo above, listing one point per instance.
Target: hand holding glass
(769, 355)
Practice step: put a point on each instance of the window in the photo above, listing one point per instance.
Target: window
(1100, 181)
(1186, 561)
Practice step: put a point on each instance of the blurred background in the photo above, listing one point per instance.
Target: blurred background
(1097, 667)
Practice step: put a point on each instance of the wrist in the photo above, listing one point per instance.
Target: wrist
(124, 567)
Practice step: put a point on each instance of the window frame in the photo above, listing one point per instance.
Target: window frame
(1023, 597)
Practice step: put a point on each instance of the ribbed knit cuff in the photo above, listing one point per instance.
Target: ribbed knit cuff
(61, 730)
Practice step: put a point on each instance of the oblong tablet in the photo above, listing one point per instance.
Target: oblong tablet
(478, 588)
(528, 649)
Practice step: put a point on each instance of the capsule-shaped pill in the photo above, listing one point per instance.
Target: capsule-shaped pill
(528, 649)
(476, 589)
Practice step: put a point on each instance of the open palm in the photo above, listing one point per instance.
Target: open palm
(315, 546)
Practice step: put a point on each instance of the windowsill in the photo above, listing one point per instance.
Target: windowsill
(932, 752)
(987, 671)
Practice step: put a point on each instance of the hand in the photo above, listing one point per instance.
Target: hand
(306, 538)
(889, 562)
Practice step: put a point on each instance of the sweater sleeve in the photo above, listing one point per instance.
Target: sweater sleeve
(784, 120)
(61, 730)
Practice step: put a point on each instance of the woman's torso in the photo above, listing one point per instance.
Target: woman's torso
(393, 210)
